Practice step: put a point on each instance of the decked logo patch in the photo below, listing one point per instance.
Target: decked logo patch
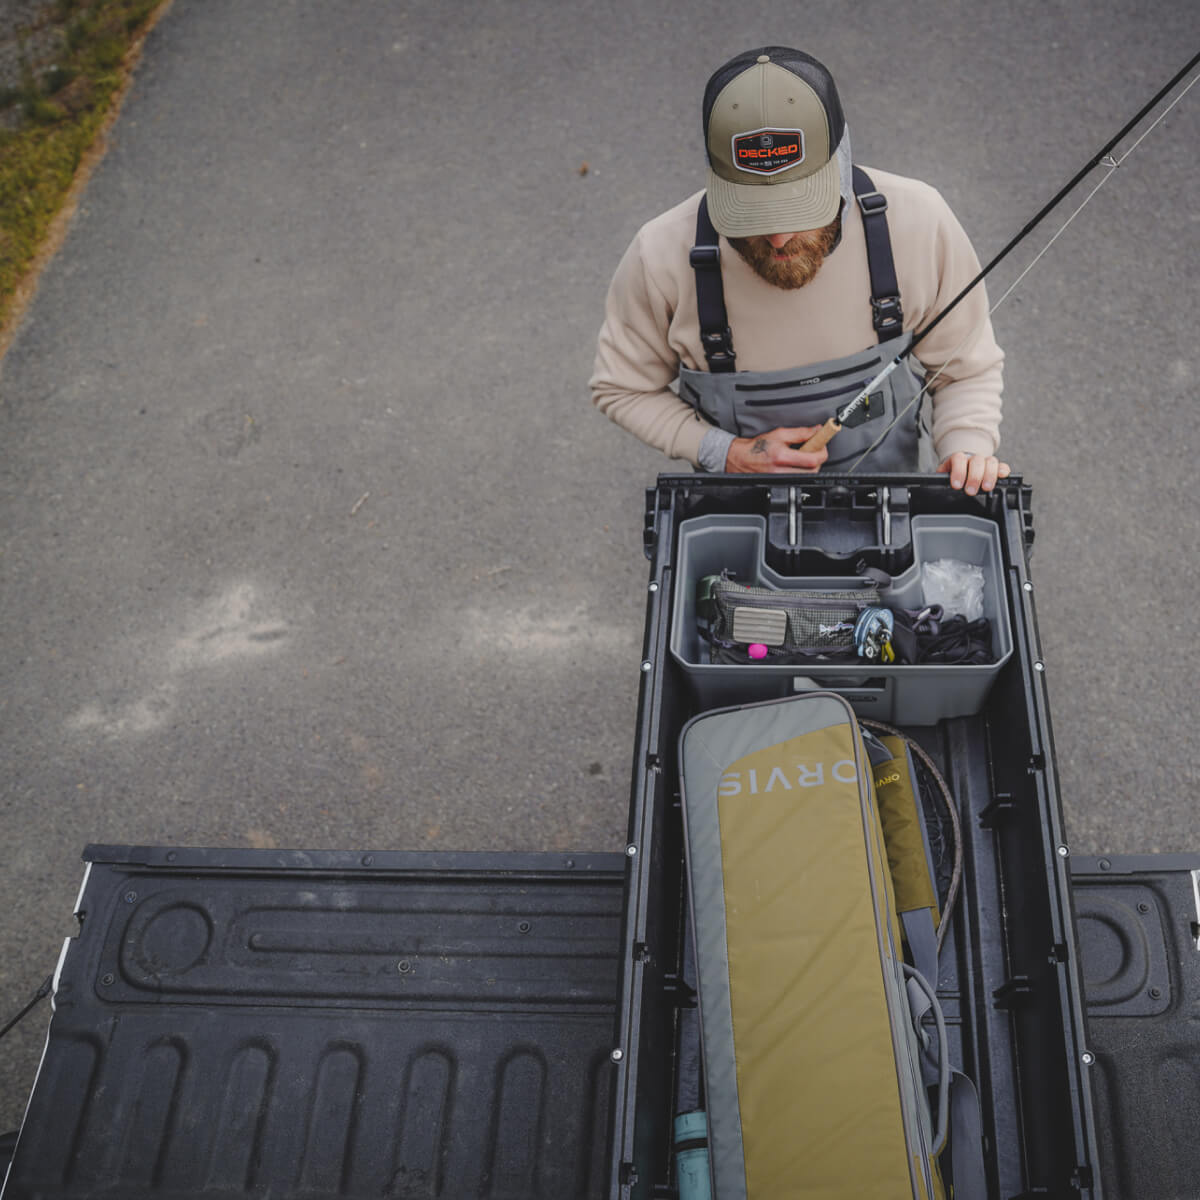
(768, 151)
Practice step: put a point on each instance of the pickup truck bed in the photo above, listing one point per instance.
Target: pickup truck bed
(264, 1023)
(249, 1023)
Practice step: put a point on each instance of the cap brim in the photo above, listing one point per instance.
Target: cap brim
(753, 210)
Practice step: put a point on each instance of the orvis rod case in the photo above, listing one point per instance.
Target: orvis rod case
(813, 1079)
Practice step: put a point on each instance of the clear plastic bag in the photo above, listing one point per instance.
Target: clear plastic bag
(956, 586)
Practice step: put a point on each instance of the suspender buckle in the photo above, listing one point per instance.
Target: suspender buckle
(887, 315)
(871, 203)
(718, 349)
(705, 258)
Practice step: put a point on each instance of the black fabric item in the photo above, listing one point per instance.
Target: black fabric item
(904, 641)
(957, 641)
(925, 636)
(887, 316)
(715, 335)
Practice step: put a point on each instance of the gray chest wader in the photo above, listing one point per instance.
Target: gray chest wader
(747, 403)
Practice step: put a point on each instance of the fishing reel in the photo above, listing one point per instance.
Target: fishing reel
(873, 635)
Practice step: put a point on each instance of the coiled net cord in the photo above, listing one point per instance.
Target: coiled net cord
(955, 824)
(1111, 164)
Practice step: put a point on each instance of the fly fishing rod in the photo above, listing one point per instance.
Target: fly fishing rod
(1100, 158)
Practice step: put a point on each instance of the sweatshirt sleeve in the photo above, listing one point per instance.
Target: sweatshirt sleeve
(961, 352)
(635, 363)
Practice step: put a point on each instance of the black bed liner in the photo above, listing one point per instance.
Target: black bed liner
(1138, 924)
(262, 1023)
(106, 1120)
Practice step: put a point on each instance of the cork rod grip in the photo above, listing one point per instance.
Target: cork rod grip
(822, 436)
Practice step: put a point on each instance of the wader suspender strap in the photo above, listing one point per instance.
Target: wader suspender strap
(886, 314)
(705, 258)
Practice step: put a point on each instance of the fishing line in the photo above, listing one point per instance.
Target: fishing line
(1112, 164)
(1102, 157)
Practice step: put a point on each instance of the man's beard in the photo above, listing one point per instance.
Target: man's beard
(794, 264)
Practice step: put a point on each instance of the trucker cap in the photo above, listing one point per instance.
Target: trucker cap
(773, 127)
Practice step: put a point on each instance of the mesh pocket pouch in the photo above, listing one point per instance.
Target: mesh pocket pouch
(817, 624)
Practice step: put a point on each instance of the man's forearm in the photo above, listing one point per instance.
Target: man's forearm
(966, 415)
(660, 419)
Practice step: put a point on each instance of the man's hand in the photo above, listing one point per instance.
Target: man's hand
(775, 451)
(974, 472)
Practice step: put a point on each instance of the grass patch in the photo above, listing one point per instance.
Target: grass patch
(58, 113)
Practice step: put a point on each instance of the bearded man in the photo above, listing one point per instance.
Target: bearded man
(740, 320)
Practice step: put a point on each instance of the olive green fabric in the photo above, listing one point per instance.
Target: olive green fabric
(811, 1076)
(896, 796)
(769, 99)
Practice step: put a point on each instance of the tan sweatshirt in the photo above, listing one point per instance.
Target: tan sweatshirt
(651, 324)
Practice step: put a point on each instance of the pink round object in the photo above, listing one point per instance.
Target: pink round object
(757, 650)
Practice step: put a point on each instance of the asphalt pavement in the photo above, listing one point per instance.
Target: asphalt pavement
(309, 536)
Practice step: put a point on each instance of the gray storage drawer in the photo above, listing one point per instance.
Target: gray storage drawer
(913, 694)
